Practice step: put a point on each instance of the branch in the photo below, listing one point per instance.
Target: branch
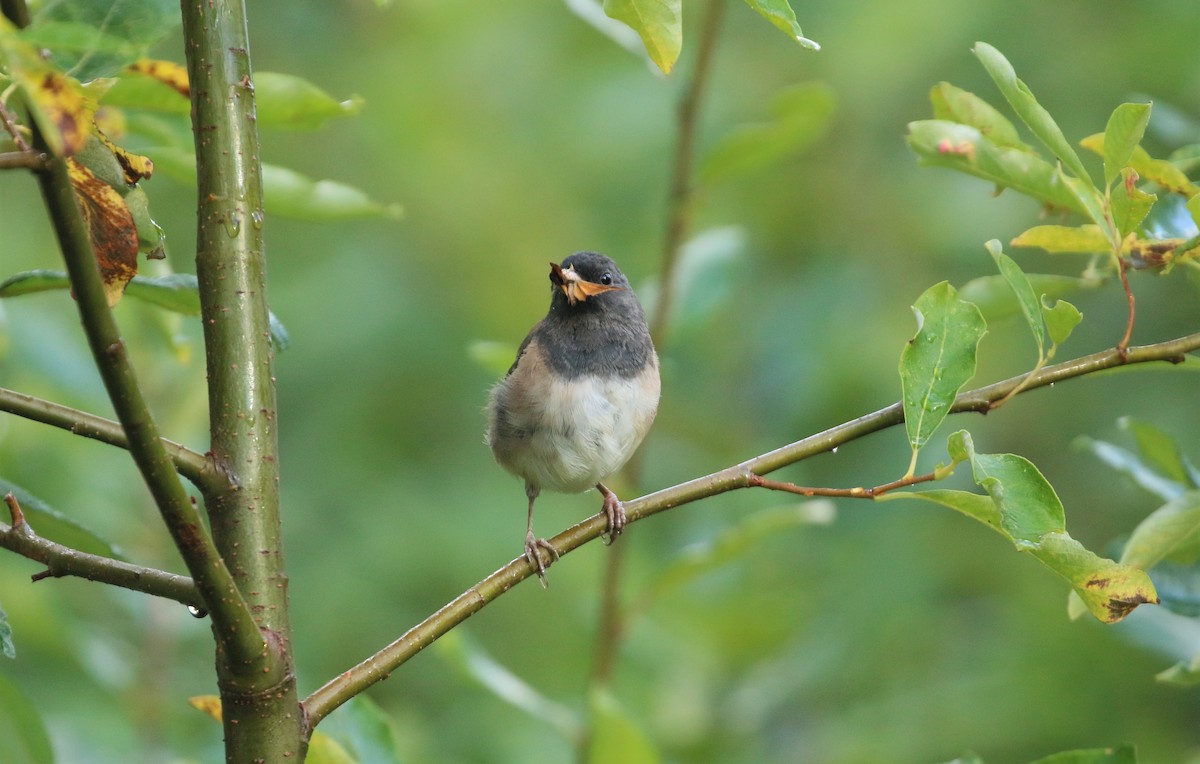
(27, 160)
(259, 697)
(757, 481)
(679, 201)
(64, 561)
(679, 207)
(193, 465)
(380, 665)
(230, 614)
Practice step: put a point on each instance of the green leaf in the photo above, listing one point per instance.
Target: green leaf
(995, 300)
(6, 641)
(1033, 517)
(21, 728)
(363, 731)
(939, 360)
(287, 193)
(1090, 201)
(323, 749)
(1178, 587)
(1084, 239)
(1130, 204)
(962, 106)
(976, 506)
(1061, 319)
(1130, 465)
(658, 22)
(1027, 299)
(1125, 754)
(1029, 508)
(493, 357)
(51, 524)
(1126, 126)
(729, 545)
(177, 292)
(1029, 110)
(709, 268)
(780, 13)
(616, 737)
(138, 91)
(1182, 674)
(1159, 448)
(475, 663)
(1163, 531)
(123, 31)
(1158, 171)
(800, 117)
(940, 143)
(288, 101)
(1193, 208)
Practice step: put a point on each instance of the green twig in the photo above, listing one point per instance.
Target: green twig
(192, 465)
(22, 160)
(610, 626)
(379, 666)
(64, 561)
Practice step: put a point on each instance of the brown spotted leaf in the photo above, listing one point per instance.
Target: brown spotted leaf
(111, 227)
(57, 102)
(169, 73)
(133, 166)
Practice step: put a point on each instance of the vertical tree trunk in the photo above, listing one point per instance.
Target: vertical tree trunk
(261, 710)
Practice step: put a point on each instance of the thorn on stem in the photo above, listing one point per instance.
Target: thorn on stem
(14, 508)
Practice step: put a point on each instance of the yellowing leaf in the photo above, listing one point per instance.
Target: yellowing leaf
(134, 166)
(169, 73)
(209, 704)
(57, 103)
(1083, 239)
(111, 228)
(658, 22)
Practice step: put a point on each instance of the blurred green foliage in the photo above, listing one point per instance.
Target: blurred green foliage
(514, 134)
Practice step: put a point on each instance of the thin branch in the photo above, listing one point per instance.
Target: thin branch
(757, 481)
(229, 611)
(610, 624)
(380, 665)
(23, 160)
(193, 465)
(6, 117)
(232, 620)
(64, 561)
(680, 196)
(1124, 273)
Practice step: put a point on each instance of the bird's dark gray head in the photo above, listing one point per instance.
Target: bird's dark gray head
(587, 282)
(595, 324)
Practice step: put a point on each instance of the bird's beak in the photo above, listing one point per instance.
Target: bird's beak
(574, 286)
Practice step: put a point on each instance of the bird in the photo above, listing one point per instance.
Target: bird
(580, 396)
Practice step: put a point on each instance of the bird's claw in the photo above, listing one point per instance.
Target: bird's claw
(533, 547)
(614, 512)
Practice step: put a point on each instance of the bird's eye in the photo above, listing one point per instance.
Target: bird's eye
(606, 279)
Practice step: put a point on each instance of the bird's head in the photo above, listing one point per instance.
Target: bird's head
(585, 275)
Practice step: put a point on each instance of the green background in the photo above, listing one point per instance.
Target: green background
(514, 134)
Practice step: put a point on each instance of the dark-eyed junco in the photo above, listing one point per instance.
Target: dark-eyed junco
(581, 395)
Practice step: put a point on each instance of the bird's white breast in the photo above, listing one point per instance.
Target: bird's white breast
(569, 434)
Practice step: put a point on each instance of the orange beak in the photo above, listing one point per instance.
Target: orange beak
(574, 286)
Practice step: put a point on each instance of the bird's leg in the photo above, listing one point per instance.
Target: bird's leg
(614, 510)
(533, 544)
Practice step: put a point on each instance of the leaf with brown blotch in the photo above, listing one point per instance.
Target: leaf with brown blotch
(57, 102)
(168, 73)
(111, 228)
(134, 166)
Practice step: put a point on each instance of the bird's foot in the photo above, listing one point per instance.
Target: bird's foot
(533, 553)
(614, 511)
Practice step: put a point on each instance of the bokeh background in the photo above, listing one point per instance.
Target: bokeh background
(513, 133)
